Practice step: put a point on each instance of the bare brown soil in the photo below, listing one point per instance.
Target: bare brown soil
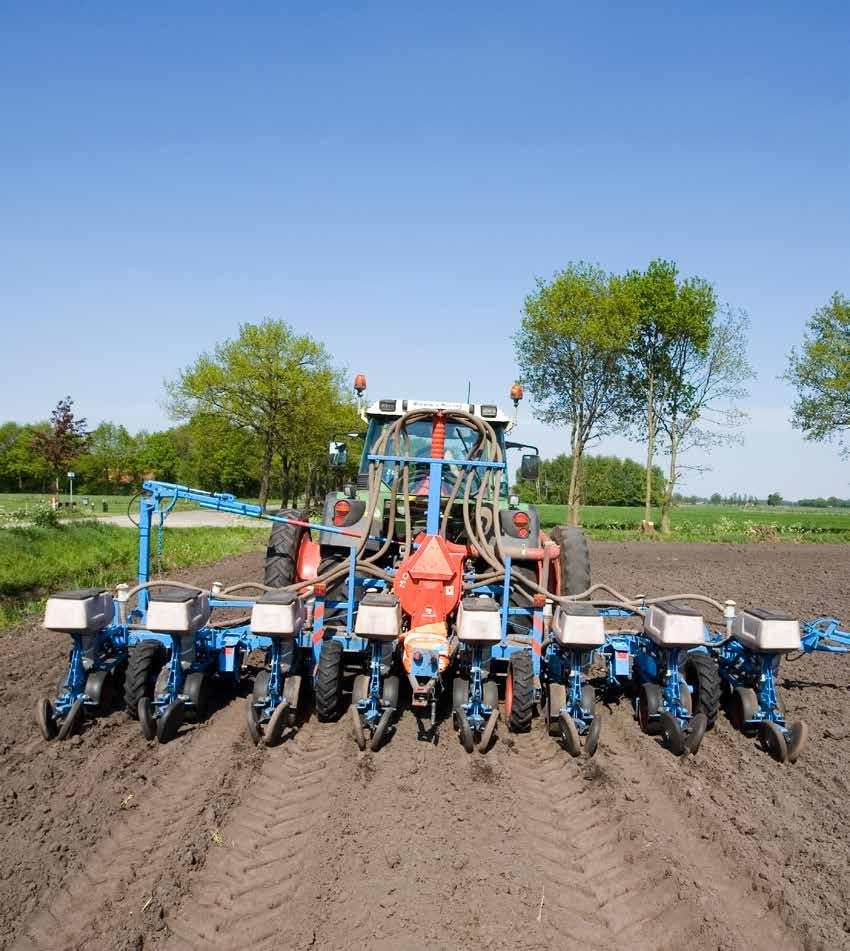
(110, 843)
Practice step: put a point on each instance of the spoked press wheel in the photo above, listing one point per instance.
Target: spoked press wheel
(519, 692)
(45, 719)
(329, 680)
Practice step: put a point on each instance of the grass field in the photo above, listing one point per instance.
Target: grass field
(715, 523)
(36, 561)
(22, 503)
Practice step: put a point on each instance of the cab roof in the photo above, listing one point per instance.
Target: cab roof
(488, 411)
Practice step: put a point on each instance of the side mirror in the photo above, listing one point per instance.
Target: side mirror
(529, 470)
(337, 454)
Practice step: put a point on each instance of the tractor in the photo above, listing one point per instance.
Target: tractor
(426, 571)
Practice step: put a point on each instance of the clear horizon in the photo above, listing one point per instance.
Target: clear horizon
(393, 180)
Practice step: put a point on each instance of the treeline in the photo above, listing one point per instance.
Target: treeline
(205, 452)
(602, 480)
(255, 416)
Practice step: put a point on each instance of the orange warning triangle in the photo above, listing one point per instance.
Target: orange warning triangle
(431, 562)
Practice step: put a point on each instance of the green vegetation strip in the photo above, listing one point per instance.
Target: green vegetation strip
(36, 561)
(710, 523)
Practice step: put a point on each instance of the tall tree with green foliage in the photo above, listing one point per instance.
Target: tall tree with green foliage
(671, 313)
(820, 373)
(574, 333)
(63, 440)
(701, 410)
(257, 383)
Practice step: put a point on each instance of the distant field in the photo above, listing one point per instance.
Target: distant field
(720, 523)
(116, 504)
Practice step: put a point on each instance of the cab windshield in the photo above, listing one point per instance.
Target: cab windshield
(460, 441)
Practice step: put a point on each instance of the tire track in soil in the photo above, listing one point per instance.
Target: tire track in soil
(248, 888)
(424, 847)
(139, 864)
(621, 862)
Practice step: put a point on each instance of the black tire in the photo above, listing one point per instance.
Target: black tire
(574, 559)
(197, 688)
(519, 697)
(650, 704)
(700, 671)
(146, 661)
(282, 551)
(671, 733)
(337, 590)
(329, 681)
(743, 706)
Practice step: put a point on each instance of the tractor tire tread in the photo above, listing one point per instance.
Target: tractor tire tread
(145, 658)
(522, 706)
(710, 687)
(328, 680)
(574, 559)
(281, 565)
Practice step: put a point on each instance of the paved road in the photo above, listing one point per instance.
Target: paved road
(188, 519)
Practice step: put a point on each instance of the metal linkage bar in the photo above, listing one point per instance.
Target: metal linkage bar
(816, 634)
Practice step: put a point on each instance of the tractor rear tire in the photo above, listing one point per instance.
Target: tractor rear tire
(146, 661)
(574, 559)
(700, 671)
(519, 693)
(282, 552)
(329, 681)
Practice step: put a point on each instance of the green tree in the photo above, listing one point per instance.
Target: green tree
(700, 411)
(110, 458)
(670, 312)
(62, 441)
(774, 499)
(254, 383)
(820, 373)
(158, 455)
(570, 348)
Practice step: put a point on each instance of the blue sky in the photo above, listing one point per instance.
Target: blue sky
(391, 178)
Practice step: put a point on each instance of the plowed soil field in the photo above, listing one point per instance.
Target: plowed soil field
(108, 842)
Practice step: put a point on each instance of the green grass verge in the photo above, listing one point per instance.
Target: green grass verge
(711, 523)
(36, 561)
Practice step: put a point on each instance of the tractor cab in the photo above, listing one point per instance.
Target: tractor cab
(458, 441)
